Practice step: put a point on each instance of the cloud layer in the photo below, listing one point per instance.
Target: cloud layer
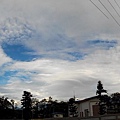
(71, 46)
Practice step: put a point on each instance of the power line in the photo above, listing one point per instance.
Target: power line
(99, 9)
(117, 3)
(109, 13)
(114, 8)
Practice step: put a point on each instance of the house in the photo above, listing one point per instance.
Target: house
(88, 107)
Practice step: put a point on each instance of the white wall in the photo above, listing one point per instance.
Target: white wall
(87, 105)
(83, 106)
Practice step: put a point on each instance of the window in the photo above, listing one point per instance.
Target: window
(86, 112)
(81, 114)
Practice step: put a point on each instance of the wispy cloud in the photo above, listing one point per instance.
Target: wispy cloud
(52, 48)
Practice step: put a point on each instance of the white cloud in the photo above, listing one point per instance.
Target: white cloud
(40, 25)
(15, 30)
(4, 58)
(79, 19)
(59, 78)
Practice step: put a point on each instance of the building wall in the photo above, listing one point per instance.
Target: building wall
(82, 107)
(86, 105)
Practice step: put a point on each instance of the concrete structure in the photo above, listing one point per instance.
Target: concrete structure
(88, 107)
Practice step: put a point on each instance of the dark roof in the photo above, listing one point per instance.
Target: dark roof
(86, 99)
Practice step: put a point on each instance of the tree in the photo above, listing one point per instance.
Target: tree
(48, 107)
(26, 105)
(6, 108)
(5, 104)
(34, 106)
(72, 107)
(100, 89)
(115, 102)
(63, 108)
(102, 98)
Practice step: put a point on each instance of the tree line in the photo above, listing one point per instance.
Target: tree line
(35, 108)
(108, 104)
(46, 108)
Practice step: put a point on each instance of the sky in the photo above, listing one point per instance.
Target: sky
(59, 48)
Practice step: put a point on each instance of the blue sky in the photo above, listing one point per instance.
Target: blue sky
(18, 52)
(51, 50)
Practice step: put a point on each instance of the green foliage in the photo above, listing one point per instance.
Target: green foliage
(108, 104)
(6, 108)
(114, 106)
(102, 98)
(100, 89)
(26, 100)
(46, 108)
(26, 103)
(72, 107)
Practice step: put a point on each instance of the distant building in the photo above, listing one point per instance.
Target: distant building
(88, 107)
